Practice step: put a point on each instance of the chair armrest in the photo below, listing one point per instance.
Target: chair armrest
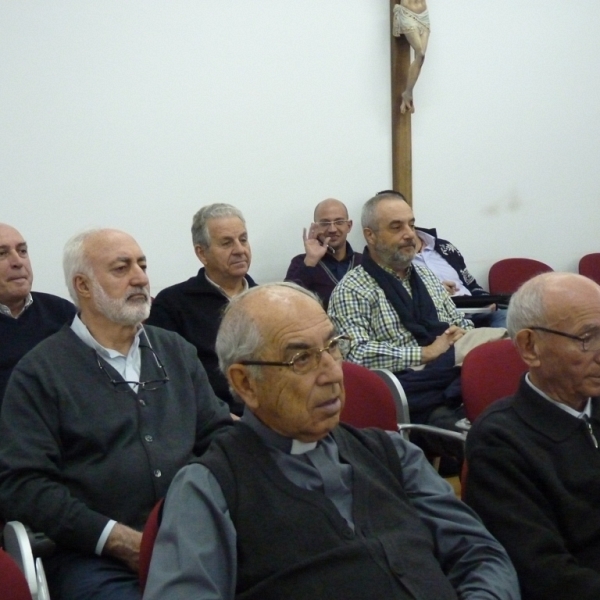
(17, 543)
(454, 435)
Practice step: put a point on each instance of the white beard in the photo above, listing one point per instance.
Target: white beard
(121, 310)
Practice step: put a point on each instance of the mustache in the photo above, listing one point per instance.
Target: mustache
(135, 291)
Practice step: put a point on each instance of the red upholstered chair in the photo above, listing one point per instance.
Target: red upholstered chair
(148, 539)
(507, 275)
(13, 585)
(369, 401)
(375, 398)
(489, 372)
(589, 266)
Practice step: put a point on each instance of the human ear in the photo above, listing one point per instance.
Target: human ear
(243, 384)
(200, 253)
(528, 346)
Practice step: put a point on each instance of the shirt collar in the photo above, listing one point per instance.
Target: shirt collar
(587, 411)
(6, 311)
(272, 438)
(83, 333)
(244, 285)
(428, 240)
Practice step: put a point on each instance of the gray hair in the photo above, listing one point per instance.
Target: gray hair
(527, 307)
(76, 262)
(239, 337)
(219, 210)
(368, 217)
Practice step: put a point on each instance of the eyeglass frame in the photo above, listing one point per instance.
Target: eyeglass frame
(290, 363)
(143, 385)
(337, 223)
(583, 340)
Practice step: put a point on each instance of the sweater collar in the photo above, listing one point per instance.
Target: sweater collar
(546, 418)
(6, 311)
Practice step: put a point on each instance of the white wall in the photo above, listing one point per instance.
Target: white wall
(134, 113)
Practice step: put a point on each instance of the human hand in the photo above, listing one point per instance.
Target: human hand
(450, 286)
(124, 543)
(441, 344)
(314, 247)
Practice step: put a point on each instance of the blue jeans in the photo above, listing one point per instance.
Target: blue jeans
(75, 576)
(496, 318)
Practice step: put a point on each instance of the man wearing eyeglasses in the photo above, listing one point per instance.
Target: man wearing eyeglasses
(97, 419)
(328, 255)
(534, 458)
(290, 504)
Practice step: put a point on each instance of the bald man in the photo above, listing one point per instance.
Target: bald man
(328, 255)
(97, 419)
(534, 458)
(26, 317)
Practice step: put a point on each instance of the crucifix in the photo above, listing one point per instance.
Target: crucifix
(410, 27)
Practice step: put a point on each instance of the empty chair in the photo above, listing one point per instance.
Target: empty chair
(507, 275)
(589, 266)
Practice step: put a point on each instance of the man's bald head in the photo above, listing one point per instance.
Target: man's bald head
(279, 351)
(554, 320)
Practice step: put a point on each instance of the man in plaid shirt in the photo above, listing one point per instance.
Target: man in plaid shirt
(399, 316)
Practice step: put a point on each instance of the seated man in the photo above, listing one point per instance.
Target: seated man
(328, 255)
(400, 317)
(445, 260)
(534, 462)
(290, 504)
(194, 307)
(96, 421)
(26, 317)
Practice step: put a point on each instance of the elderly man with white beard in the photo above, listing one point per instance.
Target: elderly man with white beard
(98, 418)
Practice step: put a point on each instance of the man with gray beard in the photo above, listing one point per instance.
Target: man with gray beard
(401, 318)
(98, 418)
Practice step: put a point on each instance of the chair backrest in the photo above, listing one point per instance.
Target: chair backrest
(369, 401)
(490, 372)
(589, 265)
(507, 275)
(148, 538)
(13, 585)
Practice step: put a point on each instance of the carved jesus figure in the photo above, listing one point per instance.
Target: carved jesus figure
(411, 19)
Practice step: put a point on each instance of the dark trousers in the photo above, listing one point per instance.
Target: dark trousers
(74, 576)
(434, 398)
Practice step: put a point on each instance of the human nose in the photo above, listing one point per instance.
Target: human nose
(140, 277)
(330, 367)
(15, 260)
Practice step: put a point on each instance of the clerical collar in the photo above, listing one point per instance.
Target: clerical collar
(272, 438)
(6, 311)
(587, 411)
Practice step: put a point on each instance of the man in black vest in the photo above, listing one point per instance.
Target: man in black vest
(289, 504)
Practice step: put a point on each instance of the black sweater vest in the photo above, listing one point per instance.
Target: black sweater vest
(293, 543)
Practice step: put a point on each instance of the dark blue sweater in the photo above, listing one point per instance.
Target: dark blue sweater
(44, 317)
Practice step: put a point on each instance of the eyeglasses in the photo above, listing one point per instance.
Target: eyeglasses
(339, 223)
(308, 360)
(590, 342)
(149, 386)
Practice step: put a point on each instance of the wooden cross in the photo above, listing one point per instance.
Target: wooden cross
(401, 133)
